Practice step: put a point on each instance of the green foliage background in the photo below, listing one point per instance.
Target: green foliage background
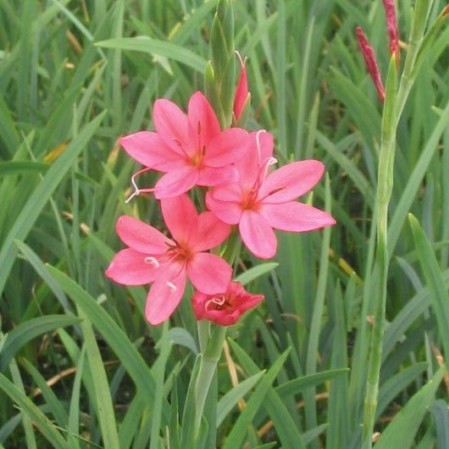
(79, 366)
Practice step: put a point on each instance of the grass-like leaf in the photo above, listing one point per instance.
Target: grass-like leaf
(402, 430)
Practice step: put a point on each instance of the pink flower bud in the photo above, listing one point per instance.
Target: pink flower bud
(371, 62)
(225, 308)
(392, 26)
(241, 95)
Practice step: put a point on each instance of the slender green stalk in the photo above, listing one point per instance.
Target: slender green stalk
(208, 366)
(381, 261)
(395, 100)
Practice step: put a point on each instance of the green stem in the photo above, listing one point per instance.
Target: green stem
(395, 100)
(208, 366)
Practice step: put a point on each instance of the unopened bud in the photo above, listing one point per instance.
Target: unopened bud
(392, 25)
(371, 62)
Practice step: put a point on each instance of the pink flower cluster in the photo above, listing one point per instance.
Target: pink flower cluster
(233, 169)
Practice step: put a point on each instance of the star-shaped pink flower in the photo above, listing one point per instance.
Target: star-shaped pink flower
(167, 263)
(263, 201)
(190, 149)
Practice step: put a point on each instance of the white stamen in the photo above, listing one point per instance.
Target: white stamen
(259, 151)
(171, 286)
(152, 261)
(218, 301)
(137, 190)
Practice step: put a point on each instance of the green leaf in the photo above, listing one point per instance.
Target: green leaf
(233, 396)
(440, 412)
(28, 330)
(32, 208)
(253, 273)
(392, 387)
(20, 167)
(55, 404)
(435, 281)
(103, 399)
(182, 337)
(264, 395)
(114, 335)
(156, 48)
(45, 426)
(402, 430)
(295, 386)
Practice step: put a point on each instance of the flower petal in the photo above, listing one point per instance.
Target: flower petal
(295, 217)
(228, 147)
(128, 267)
(257, 235)
(164, 296)
(176, 182)
(139, 146)
(225, 203)
(209, 273)
(181, 217)
(209, 232)
(170, 122)
(291, 181)
(253, 165)
(141, 237)
(150, 150)
(212, 176)
(202, 120)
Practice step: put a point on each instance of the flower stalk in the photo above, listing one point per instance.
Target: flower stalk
(395, 99)
(220, 72)
(208, 367)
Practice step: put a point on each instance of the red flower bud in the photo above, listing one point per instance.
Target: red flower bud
(392, 26)
(371, 62)
(225, 308)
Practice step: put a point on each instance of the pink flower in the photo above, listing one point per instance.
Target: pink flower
(151, 257)
(262, 201)
(190, 149)
(242, 95)
(370, 59)
(225, 308)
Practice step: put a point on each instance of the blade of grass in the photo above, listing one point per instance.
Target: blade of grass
(39, 198)
(157, 47)
(118, 341)
(264, 395)
(103, 400)
(56, 407)
(24, 332)
(45, 426)
(233, 396)
(435, 281)
(402, 430)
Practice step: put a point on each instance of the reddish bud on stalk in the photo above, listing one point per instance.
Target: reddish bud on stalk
(392, 25)
(445, 11)
(242, 95)
(371, 62)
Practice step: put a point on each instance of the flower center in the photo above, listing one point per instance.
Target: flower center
(249, 200)
(179, 253)
(220, 302)
(197, 159)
